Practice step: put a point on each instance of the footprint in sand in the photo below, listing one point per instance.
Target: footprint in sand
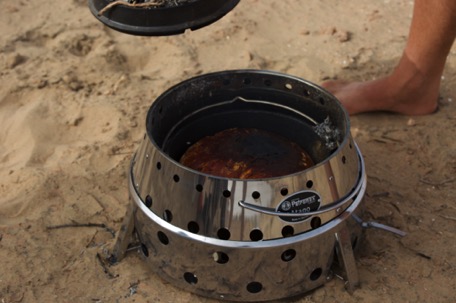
(38, 130)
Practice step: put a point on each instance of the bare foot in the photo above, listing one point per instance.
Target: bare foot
(409, 97)
(413, 87)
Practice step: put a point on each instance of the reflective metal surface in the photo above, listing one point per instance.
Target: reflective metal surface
(247, 239)
(214, 205)
(247, 270)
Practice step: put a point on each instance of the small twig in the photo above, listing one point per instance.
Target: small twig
(102, 225)
(437, 183)
(120, 2)
(448, 218)
(423, 255)
(105, 268)
(133, 246)
(91, 239)
(396, 207)
(416, 252)
(378, 141)
(96, 200)
(76, 225)
(391, 139)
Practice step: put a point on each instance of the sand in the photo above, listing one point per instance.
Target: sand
(73, 99)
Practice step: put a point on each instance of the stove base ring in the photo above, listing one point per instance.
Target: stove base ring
(242, 270)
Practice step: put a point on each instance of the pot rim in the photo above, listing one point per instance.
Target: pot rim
(163, 96)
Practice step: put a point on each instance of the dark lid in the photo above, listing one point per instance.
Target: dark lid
(161, 20)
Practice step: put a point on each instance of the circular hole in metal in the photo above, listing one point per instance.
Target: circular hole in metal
(167, 215)
(344, 159)
(160, 110)
(289, 86)
(316, 273)
(226, 193)
(256, 235)
(144, 250)
(193, 227)
(247, 81)
(254, 287)
(267, 82)
(221, 257)
(309, 184)
(306, 93)
(287, 231)
(223, 234)
(255, 195)
(148, 201)
(284, 191)
(199, 188)
(315, 222)
(190, 278)
(176, 178)
(159, 165)
(163, 238)
(322, 101)
(288, 255)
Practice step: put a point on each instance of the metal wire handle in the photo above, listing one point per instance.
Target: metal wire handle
(357, 192)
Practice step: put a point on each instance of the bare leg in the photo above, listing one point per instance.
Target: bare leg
(413, 87)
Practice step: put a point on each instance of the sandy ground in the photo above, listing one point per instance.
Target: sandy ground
(73, 100)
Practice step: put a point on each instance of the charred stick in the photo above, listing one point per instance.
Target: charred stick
(102, 225)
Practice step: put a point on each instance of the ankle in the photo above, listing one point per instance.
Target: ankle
(414, 93)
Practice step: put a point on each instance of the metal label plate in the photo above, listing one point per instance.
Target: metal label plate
(299, 203)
